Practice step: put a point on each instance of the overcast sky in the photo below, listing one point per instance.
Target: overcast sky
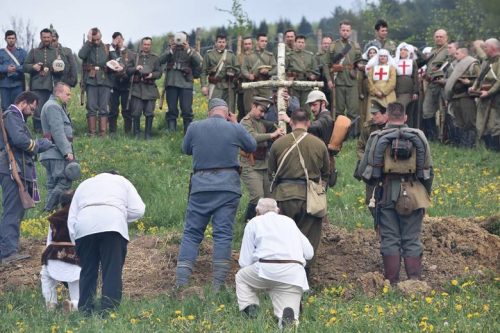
(136, 19)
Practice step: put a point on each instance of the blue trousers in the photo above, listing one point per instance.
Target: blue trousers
(13, 213)
(9, 95)
(221, 207)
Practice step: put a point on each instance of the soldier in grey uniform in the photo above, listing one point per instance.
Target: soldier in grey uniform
(145, 68)
(95, 55)
(244, 98)
(381, 41)
(219, 72)
(342, 68)
(11, 70)
(398, 161)
(24, 149)
(433, 95)
(183, 62)
(301, 65)
(259, 65)
(121, 85)
(57, 127)
(322, 59)
(254, 164)
(38, 64)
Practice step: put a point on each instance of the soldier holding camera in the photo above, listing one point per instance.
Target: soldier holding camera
(183, 66)
(95, 55)
(219, 73)
(43, 74)
(145, 68)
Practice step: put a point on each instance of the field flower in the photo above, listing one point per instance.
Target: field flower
(458, 307)
(454, 282)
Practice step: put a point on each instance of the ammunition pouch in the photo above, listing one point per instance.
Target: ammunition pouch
(412, 196)
(337, 68)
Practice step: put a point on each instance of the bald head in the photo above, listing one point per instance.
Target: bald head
(492, 47)
(440, 37)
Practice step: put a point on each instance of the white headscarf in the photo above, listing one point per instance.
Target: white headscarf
(365, 55)
(375, 62)
(409, 48)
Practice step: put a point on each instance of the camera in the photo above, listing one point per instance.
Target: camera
(180, 38)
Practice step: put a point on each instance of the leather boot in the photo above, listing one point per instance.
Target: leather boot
(488, 141)
(148, 129)
(137, 127)
(430, 128)
(392, 265)
(250, 212)
(495, 142)
(103, 126)
(171, 125)
(127, 125)
(413, 267)
(186, 123)
(91, 124)
(112, 124)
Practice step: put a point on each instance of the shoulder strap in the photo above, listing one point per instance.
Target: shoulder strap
(301, 159)
(296, 144)
(13, 57)
(221, 63)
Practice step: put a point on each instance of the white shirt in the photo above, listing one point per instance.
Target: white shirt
(274, 236)
(104, 203)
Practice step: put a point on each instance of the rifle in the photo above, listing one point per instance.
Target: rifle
(82, 80)
(26, 199)
(138, 53)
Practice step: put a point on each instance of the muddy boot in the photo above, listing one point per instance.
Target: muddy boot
(250, 212)
(137, 127)
(430, 128)
(183, 273)
(392, 264)
(413, 267)
(127, 125)
(186, 123)
(148, 129)
(91, 124)
(171, 125)
(103, 126)
(112, 124)
(488, 142)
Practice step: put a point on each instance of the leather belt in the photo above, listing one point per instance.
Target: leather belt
(280, 261)
(217, 169)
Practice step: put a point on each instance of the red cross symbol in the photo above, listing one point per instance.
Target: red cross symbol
(381, 73)
(403, 65)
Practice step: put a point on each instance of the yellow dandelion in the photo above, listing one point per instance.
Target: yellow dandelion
(454, 282)
(486, 307)
(385, 290)
(458, 307)
(469, 316)
(112, 315)
(178, 312)
(133, 321)
(10, 307)
(333, 311)
(380, 310)
(428, 300)
(190, 317)
(444, 294)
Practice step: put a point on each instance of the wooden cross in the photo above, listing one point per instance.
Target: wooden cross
(281, 81)
(403, 65)
(381, 73)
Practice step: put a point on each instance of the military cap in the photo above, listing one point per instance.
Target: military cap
(265, 102)
(72, 171)
(216, 102)
(377, 107)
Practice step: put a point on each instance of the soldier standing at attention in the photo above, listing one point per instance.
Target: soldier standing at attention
(219, 72)
(322, 59)
(433, 98)
(289, 182)
(121, 85)
(398, 161)
(95, 55)
(11, 70)
(301, 65)
(38, 64)
(70, 72)
(254, 172)
(183, 62)
(145, 68)
(381, 41)
(342, 64)
(215, 189)
(260, 65)
(245, 96)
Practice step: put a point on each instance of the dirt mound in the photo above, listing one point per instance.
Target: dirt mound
(453, 247)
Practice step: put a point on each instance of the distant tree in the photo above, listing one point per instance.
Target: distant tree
(263, 28)
(240, 23)
(283, 25)
(304, 28)
(25, 32)
(130, 45)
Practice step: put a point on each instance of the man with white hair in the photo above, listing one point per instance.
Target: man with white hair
(487, 86)
(272, 258)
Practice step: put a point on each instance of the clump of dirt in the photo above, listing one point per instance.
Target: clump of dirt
(453, 247)
(413, 287)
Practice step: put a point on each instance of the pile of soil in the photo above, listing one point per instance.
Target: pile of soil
(453, 247)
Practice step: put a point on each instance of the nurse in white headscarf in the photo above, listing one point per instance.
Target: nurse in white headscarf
(382, 79)
(407, 87)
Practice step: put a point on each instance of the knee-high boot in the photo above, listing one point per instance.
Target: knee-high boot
(148, 129)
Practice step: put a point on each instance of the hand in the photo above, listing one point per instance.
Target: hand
(37, 67)
(149, 76)
(89, 36)
(138, 68)
(484, 94)
(251, 77)
(464, 81)
(264, 71)
(414, 97)
(278, 132)
(379, 94)
(204, 91)
(330, 85)
(44, 144)
(11, 69)
(282, 116)
(232, 117)
(70, 157)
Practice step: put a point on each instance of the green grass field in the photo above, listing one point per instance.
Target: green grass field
(467, 183)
